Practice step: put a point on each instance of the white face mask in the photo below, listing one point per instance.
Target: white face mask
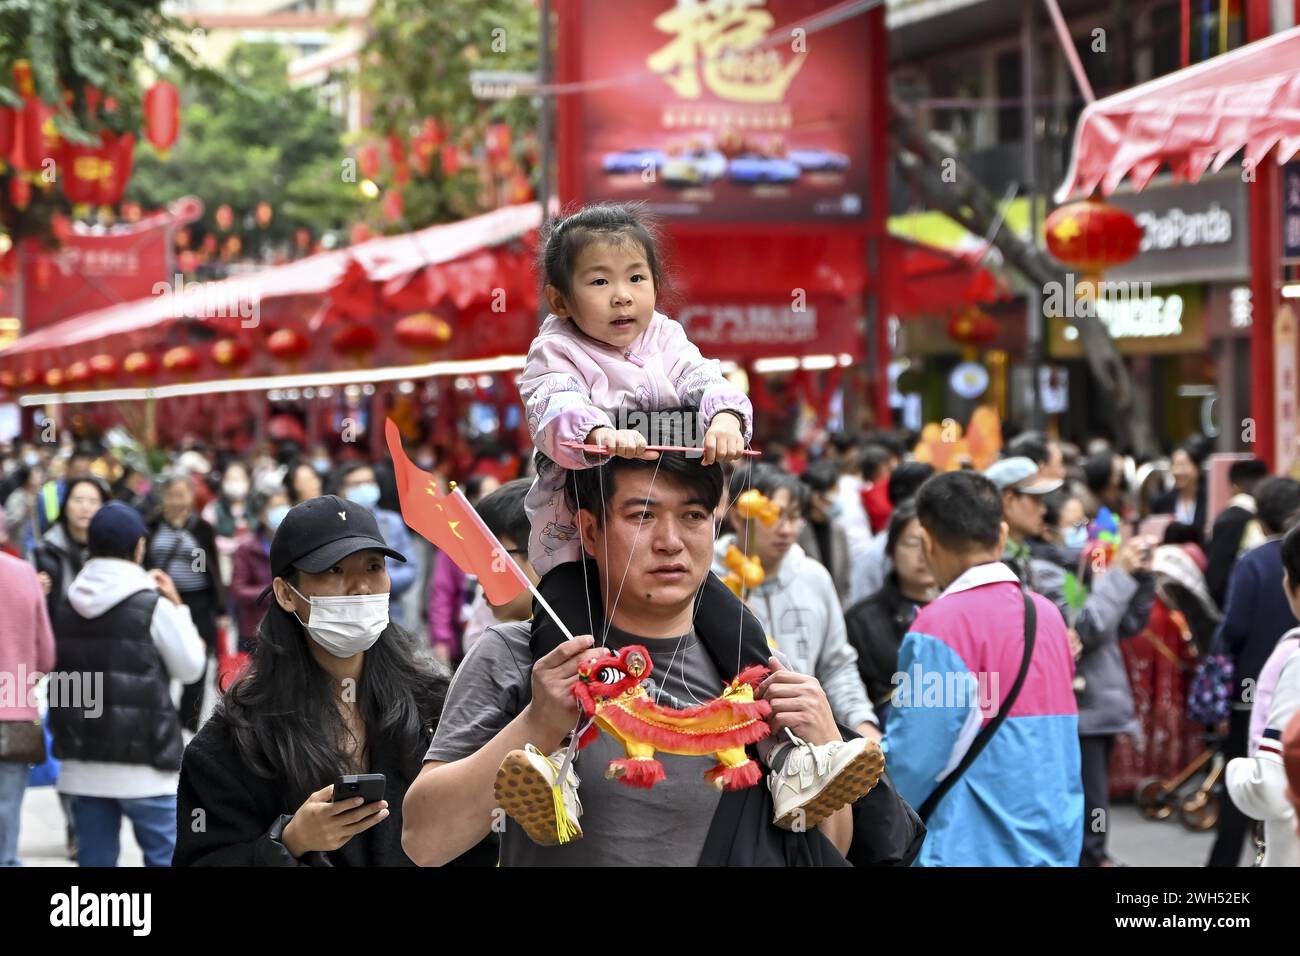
(346, 625)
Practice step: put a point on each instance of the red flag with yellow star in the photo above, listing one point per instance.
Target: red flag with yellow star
(452, 525)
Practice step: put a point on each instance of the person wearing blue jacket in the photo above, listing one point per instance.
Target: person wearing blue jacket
(357, 483)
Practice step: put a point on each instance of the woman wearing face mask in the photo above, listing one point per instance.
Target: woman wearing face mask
(183, 545)
(252, 566)
(229, 516)
(334, 688)
(876, 625)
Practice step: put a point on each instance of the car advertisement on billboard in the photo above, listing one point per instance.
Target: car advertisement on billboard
(724, 110)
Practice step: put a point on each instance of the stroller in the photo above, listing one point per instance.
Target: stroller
(1197, 791)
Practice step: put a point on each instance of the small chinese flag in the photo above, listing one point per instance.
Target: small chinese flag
(452, 525)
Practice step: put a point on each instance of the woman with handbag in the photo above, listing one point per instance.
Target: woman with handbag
(26, 648)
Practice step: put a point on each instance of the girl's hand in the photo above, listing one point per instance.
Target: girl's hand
(625, 443)
(322, 825)
(724, 441)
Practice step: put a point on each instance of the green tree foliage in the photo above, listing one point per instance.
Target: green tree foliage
(252, 141)
(418, 61)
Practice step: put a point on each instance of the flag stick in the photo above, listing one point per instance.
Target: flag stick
(549, 610)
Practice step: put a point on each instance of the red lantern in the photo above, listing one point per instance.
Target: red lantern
(263, 214)
(423, 145)
(368, 160)
(103, 366)
(229, 353)
(1092, 236)
(225, 217)
(354, 340)
(36, 138)
(286, 344)
(60, 227)
(28, 377)
(8, 131)
(450, 159)
(360, 233)
(23, 78)
(182, 359)
(422, 331)
(972, 328)
(498, 140)
(78, 373)
(397, 156)
(8, 380)
(394, 206)
(140, 365)
(132, 212)
(302, 239)
(54, 378)
(162, 118)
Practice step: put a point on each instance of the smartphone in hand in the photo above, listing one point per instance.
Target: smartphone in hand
(368, 786)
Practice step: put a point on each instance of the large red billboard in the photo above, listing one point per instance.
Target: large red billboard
(721, 110)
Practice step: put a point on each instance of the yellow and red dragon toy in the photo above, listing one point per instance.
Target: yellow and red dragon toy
(611, 693)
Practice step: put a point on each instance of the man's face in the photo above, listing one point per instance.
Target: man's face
(771, 545)
(661, 567)
(820, 504)
(1023, 513)
(356, 478)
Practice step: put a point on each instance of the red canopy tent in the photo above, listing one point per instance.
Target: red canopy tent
(937, 281)
(476, 275)
(1198, 118)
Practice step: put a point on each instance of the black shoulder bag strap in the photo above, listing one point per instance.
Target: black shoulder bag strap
(984, 736)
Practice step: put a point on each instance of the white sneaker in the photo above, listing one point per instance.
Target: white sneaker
(819, 779)
(524, 789)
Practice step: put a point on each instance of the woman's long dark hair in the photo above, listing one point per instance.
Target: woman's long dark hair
(284, 715)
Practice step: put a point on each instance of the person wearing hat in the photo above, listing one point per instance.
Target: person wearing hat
(1117, 605)
(334, 688)
(122, 637)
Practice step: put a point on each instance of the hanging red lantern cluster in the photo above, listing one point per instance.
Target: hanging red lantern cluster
(140, 365)
(424, 144)
(231, 353)
(368, 160)
(103, 366)
(354, 341)
(397, 157)
(1092, 236)
(78, 374)
(972, 328)
(287, 345)
(394, 206)
(424, 332)
(182, 359)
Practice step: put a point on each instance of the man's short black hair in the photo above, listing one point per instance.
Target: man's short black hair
(962, 510)
(907, 479)
(889, 440)
(1031, 445)
(593, 488)
(768, 479)
(821, 476)
(1247, 473)
(503, 511)
(1278, 503)
(873, 458)
(1097, 469)
(85, 449)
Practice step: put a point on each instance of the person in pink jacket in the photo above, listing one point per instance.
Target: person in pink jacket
(26, 652)
(602, 354)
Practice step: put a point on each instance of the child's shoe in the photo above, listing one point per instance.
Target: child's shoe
(525, 790)
(815, 780)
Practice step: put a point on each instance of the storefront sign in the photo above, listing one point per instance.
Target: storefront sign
(1284, 389)
(724, 110)
(1164, 322)
(1291, 212)
(738, 330)
(1193, 232)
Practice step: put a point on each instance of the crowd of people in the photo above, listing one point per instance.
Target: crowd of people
(958, 668)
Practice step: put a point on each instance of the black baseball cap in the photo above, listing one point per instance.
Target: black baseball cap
(318, 533)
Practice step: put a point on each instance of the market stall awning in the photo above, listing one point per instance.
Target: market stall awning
(453, 270)
(1192, 120)
(930, 280)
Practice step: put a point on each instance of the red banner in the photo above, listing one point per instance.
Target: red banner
(91, 272)
(725, 111)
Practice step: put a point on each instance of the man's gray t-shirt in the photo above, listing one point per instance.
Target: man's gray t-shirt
(622, 826)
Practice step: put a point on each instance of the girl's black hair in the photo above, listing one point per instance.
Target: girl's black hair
(104, 496)
(283, 711)
(899, 518)
(566, 237)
